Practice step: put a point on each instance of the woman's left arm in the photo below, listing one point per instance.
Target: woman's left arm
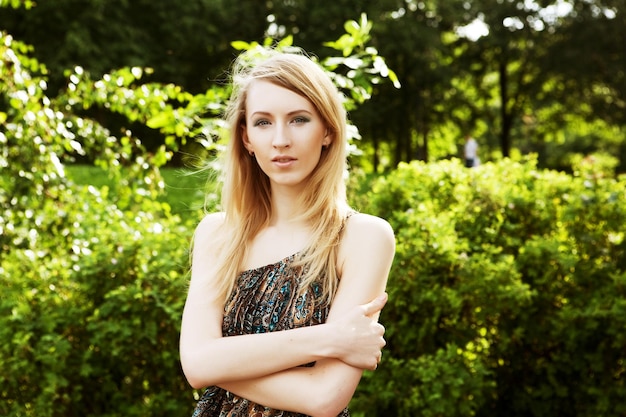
(365, 256)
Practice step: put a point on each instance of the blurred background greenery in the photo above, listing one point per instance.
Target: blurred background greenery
(522, 76)
(508, 291)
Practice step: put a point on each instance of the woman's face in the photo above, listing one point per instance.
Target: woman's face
(285, 132)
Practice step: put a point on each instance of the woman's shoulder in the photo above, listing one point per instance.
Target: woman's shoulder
(212, 219)
(359, 223)
(368, 231)
(209, 224)
(367, 248)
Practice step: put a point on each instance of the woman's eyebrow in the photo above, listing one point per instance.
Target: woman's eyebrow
(291, 113)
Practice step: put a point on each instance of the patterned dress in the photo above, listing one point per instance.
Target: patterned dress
(265, 299)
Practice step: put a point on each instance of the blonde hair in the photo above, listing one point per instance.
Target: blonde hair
(246, 192)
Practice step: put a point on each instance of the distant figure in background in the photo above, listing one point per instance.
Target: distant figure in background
(470, 152)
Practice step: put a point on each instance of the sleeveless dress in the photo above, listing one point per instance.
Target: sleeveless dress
(265, 299)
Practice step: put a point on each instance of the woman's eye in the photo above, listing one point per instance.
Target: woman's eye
(301, 119)
(261, 122)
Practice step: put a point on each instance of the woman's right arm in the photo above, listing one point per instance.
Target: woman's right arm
(366, 254)
(208, 358)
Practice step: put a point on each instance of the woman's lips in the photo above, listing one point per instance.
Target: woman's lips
(283, 161)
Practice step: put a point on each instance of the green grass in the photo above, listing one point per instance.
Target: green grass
(184, 190)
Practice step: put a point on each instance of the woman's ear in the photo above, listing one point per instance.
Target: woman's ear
(328, 138)
(245, 141)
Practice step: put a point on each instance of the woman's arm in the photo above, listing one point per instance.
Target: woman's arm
(366, 254)
(208, 358)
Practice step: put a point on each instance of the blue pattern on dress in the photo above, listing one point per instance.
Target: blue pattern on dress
(265, 299)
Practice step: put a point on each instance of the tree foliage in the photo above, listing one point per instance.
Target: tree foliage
(94, 278)
(541, 74)
(507, 294)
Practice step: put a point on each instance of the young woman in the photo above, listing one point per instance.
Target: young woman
(288, 281)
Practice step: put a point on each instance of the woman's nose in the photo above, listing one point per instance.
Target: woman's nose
(281, 138)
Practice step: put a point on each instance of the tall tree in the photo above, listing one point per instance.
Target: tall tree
(412, 35)
(588, 57)
(187, 43)
(540, 55)
(516, 85)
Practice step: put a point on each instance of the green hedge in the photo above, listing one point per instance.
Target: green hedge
(507, 294)
(507, 297)
(90, 312)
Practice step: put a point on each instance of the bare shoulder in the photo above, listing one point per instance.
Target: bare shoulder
(366, 253)
(368, 234)
(361, 225)
(206, 241)
(210, 223)
(207, 231)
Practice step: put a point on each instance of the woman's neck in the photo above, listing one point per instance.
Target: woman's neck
(287, 209)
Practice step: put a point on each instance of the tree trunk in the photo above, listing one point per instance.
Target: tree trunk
(506, 118)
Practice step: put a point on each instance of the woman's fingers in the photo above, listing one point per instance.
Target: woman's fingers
(361, 336)
(376, 305)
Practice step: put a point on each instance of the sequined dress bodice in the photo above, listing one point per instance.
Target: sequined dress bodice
(265, 299)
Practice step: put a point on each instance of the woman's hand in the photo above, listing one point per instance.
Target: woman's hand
(360, 336)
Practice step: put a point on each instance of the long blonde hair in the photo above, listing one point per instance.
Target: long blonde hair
(246, 192)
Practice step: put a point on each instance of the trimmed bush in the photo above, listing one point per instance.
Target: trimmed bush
(94, 277)
(507, 294)
(89, 315)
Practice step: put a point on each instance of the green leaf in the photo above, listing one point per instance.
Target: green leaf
(160, 120)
